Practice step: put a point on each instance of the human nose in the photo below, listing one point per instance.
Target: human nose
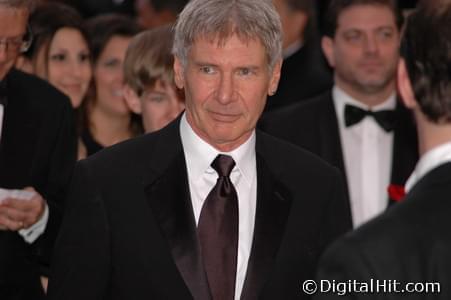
(225, 89)
(371, 45)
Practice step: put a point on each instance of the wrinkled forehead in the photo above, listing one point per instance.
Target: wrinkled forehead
(220, 39)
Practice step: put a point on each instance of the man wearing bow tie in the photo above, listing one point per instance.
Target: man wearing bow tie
(358, 126)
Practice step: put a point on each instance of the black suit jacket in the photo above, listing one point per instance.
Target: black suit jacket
(129, 230)
(304, 75)
(37, 148)
(313, 125)
(409, 243)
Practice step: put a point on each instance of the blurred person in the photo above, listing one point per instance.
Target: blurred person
(208, 207)
(359, 125)
(106, 116)
(305, 73)
(154, 13)
(411, 242)
(37, 155)
(59, 52)
(150, 89)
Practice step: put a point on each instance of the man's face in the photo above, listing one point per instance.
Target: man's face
(226, 86)
(13, 25)
(364, 51)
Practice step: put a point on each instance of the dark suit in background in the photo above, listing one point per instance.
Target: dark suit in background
(130, 232)
(38, 149)
(313, 125)
(409, 243)
(304, 75)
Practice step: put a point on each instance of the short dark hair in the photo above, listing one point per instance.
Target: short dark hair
(175, 6)
(102, 28)
(336, 7)
(426, 49)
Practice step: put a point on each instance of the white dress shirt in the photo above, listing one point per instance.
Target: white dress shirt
(367, 152)
(202, 178)
(429, 161)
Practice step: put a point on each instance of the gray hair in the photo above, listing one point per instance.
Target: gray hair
(19, 4)
(211, 19)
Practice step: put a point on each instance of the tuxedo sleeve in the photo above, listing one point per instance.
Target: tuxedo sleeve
(81, 261)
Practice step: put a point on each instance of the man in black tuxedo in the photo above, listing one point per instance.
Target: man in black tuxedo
(411, 243)
(358, 126)
(37, 155)
(145, 219)
(305, 73)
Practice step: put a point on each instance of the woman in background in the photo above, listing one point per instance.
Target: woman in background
(107, 118)
(60, 53)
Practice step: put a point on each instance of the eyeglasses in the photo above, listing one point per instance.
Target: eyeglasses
(18, 44)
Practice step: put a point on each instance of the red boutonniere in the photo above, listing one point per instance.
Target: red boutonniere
(396, 192)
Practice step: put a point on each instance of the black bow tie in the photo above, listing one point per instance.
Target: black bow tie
(385, 118)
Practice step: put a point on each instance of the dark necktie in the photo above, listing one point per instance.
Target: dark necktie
(385, 118)
(218, 232)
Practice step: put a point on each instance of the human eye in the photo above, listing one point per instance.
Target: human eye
(111, 63)
(83, 57)
(386, 34)
(245, 71)
(207, 70)
(353, 36)
(155, 97)
(58, 57)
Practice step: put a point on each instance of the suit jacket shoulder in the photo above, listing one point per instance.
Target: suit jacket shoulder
(408, 243)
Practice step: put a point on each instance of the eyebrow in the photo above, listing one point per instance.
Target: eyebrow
(202, 64)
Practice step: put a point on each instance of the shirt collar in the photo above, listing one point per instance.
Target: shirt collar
(199, 154)
(430, 160)
(341, 98)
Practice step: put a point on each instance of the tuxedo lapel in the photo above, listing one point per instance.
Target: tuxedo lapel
(273, 207)
(167, 191)
(330, 142)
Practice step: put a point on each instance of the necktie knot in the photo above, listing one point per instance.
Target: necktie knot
(223, 164)
(385, 118)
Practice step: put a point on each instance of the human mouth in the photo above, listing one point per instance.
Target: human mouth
(224, 117)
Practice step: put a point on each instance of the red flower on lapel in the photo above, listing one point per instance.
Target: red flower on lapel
(396, 192)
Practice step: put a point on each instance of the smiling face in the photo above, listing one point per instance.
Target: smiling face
(68, 64)
(108, 74)
(364, 51)
(226, 86)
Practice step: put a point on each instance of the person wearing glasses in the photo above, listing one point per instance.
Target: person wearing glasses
(37, 154)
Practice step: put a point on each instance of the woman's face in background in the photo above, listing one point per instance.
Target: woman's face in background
(68, 64)
(109, 78)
